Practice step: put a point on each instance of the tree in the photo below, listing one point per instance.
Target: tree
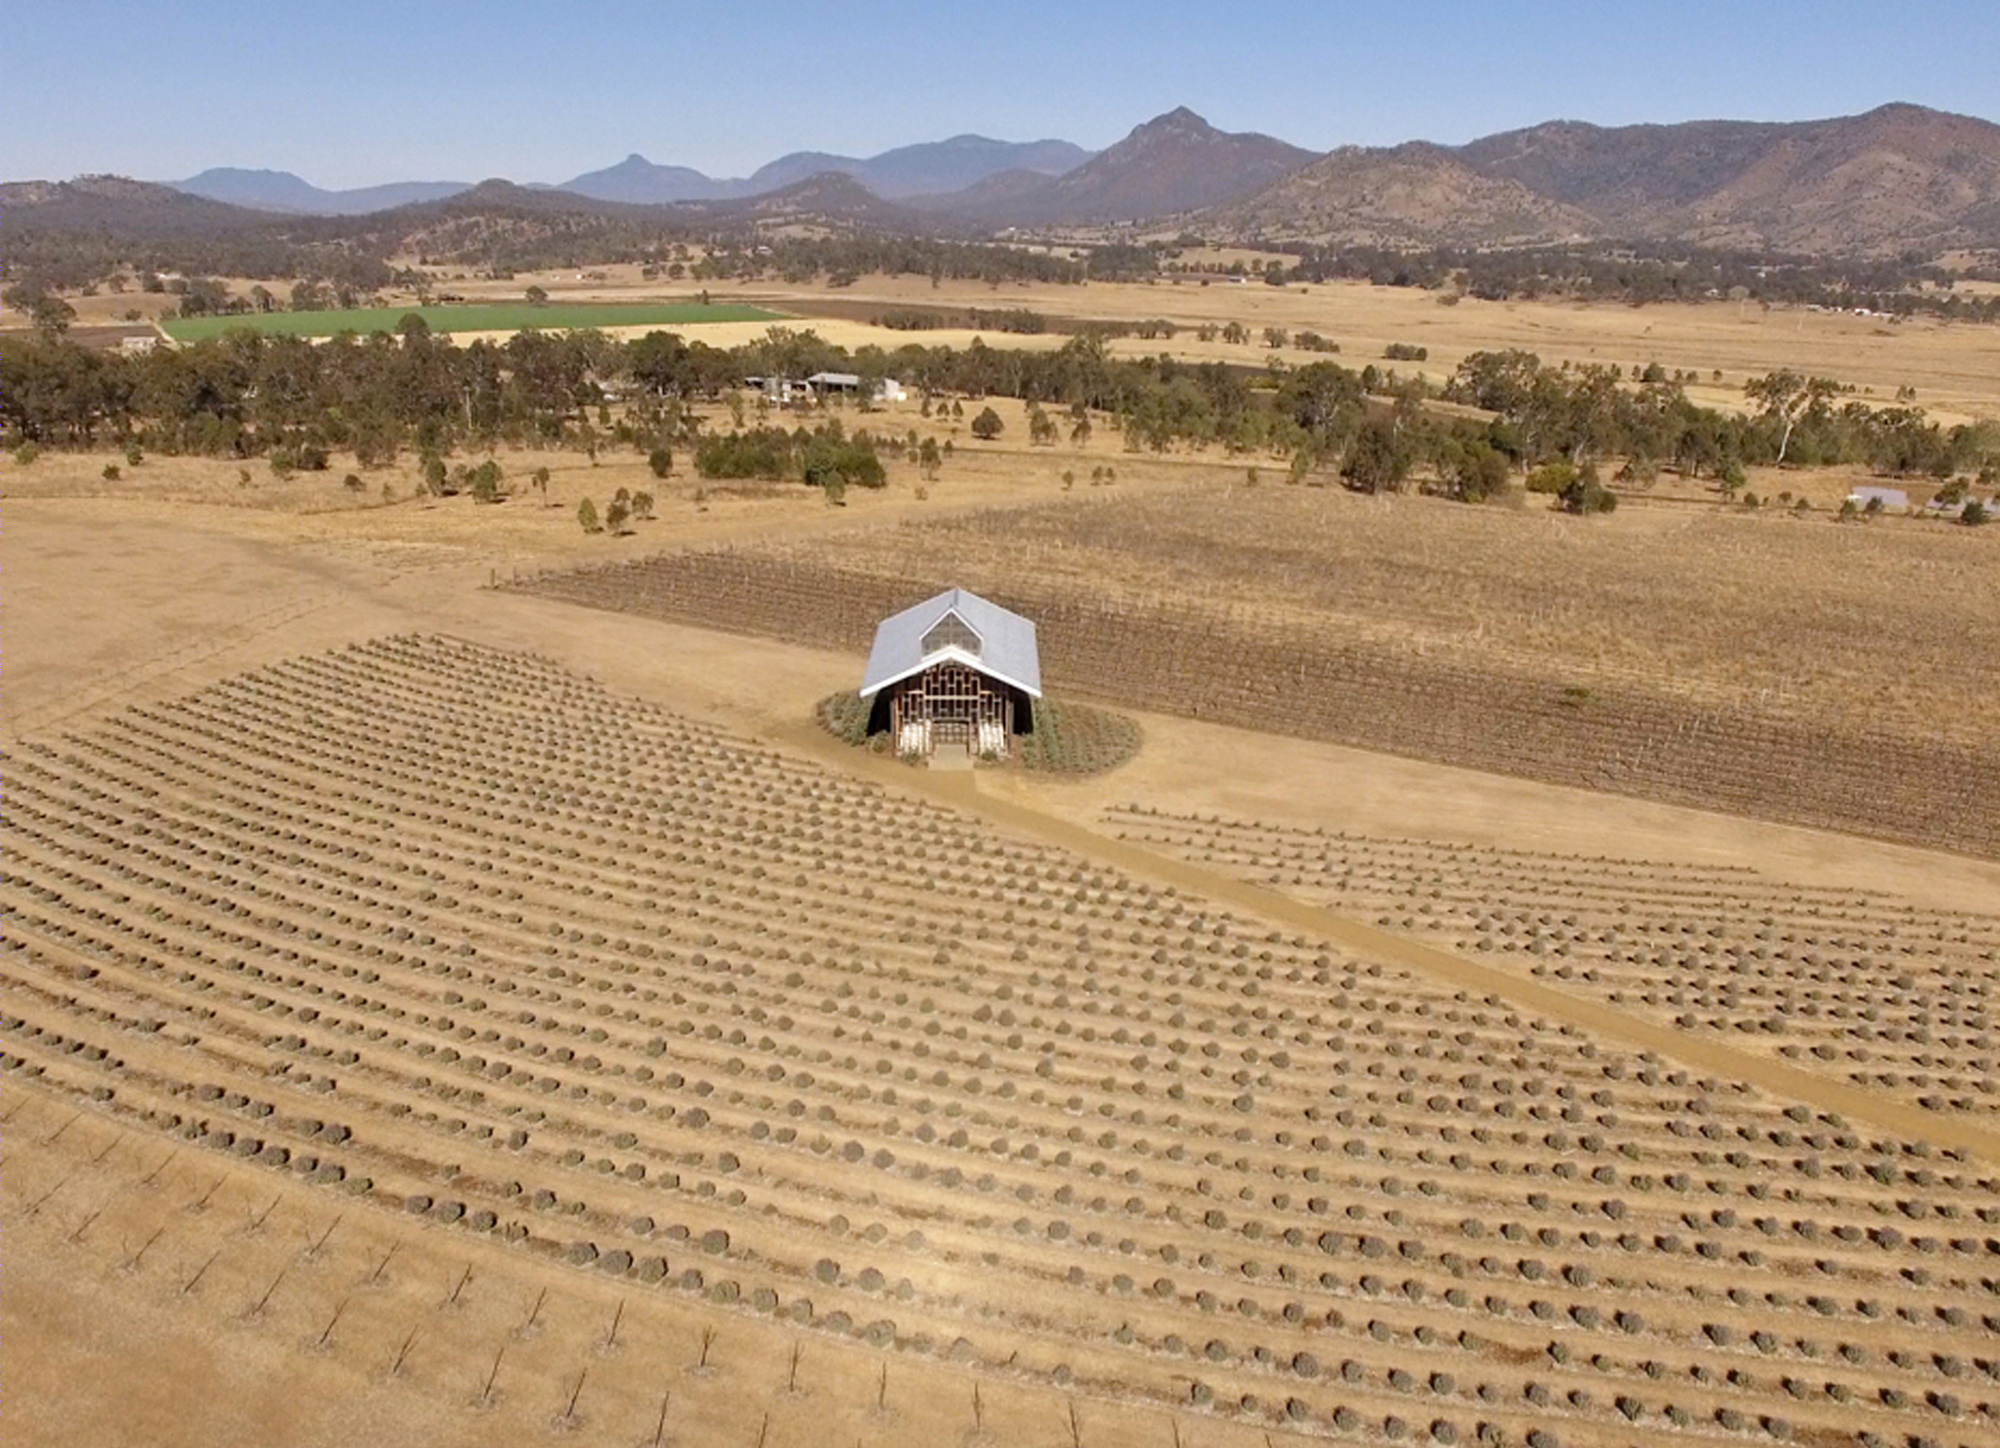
(987, 425)
(1041, 427)
(586, 517)
(616, 516)
(537, 297)
(1474, 472)
(1378, 459)
(929, 458)
(1975, 514)
(661, 461)
(486, 482)
(1586, 494)
(52, 315)
(1552, 478)
(1789, 398)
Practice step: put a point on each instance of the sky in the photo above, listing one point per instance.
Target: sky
(354, 92)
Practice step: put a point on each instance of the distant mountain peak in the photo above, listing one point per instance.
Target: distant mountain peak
(1173, 163)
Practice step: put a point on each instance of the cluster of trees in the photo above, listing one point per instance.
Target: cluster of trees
(1639, 273)
(823, 457)
(1596, 412)
(247, 394)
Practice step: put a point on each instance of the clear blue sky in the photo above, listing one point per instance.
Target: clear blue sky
(349, 92)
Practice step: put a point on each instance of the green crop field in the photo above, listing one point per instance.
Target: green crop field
(502, 317)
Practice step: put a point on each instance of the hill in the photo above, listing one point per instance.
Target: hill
(927, 169)
(830, 198)
(1415, 194)
(282, 191)
(642, 182)
(1173, 163)
(117, 203)
(1898, 177)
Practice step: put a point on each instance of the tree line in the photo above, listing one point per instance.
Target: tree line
(1648, 272)
(246, 395)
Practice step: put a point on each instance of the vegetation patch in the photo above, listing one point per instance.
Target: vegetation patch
(844, 716)
(1073, 738)
(502, 317)
(1069, 738)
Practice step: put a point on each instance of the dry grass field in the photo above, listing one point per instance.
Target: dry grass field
(432, 1011)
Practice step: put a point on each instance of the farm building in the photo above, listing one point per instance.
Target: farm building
(826, 384)
(1883, 498)
(953, 672)
(822, 385)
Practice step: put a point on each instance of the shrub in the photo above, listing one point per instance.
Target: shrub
(1586, 495)
(485, 482)
(586, 517)
(25, 454)
(1552, 478)
(661, 461)
(1976, 513)
(1406, 352)
(111, 474)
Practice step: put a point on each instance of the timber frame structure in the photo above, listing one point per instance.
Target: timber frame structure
(953, 672)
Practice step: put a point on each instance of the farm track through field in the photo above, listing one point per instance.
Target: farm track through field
(428, 927)
(1446, 967)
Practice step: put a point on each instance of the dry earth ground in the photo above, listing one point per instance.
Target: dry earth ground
(198, 594)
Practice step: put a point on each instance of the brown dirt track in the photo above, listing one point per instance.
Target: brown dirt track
(61, 1297)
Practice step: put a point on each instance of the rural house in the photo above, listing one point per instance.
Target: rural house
(1884, 498)
(953, 672)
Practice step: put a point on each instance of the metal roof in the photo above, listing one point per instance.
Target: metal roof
(1006, 652)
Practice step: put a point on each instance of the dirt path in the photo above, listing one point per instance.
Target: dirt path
(961, 791)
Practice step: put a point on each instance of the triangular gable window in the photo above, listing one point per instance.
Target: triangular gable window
(951, 632)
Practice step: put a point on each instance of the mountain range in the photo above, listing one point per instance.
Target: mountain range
(928, 168)
(1897, 178)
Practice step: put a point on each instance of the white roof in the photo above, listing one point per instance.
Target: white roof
(1005, 644)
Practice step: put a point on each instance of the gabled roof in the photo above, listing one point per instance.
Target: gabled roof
(1007, 649)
